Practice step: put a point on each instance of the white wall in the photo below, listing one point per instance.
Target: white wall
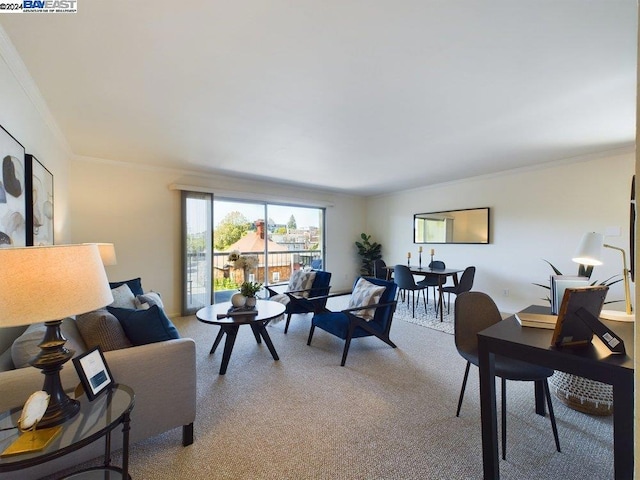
(539, 214)
(134, 208)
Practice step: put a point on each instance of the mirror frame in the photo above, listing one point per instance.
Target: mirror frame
(443, 212)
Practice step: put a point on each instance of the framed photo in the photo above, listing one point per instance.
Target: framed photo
(39, 202)
(13, 202)
(570, 328)
(93, 372)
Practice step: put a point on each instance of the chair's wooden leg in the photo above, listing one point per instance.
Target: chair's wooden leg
(347, 343)
(504, 419)
(313, 327)
(464, 386)
(286, 326)
(552, 416)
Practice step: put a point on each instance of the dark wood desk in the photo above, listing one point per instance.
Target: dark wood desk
(229, 326)
(594, 361)
(441, 273)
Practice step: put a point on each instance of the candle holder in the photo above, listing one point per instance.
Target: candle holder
(408, 261)
(431, 261)
(420, 260)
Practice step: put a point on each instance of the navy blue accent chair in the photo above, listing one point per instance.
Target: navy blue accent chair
(315, 301)
(346, 324)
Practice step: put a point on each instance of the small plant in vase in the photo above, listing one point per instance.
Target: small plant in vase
(249, 290)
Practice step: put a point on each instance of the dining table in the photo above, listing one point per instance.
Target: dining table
(442, 274)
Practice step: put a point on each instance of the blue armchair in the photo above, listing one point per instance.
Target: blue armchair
(350, 323)
(315, 299)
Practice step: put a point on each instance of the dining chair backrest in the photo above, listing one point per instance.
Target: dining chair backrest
(379, 269)
(403, 277)
(437, 265)
(466, 280)
(474, 311)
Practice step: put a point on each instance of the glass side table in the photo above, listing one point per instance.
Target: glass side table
(94, 421)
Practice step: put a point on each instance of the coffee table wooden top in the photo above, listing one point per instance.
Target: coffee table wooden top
(267, 310)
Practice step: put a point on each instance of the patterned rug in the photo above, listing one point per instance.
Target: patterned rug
(428, 319)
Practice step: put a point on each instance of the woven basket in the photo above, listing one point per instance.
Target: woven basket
(583, 395)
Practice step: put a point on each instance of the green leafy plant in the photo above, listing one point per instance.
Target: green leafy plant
(249, 289)
(583, 271)
(369, 251)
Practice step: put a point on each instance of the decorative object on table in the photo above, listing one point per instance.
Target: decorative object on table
(40, 204)
(408, 259)
(94, 372)
(246, 263)
(432, 254)
(238, 300)
(13, 205)
(249, 290)
(38, 284)
(31, 439)
(590, 253)
(559, 283)
(369, 251)
(419, 257)
(570, 328)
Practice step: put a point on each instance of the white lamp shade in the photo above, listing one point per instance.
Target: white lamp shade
(107, 253)
(39, 284)
(589, 250)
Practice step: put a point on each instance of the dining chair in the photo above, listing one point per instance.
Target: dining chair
(431, 279)
(380, 269)
(464, 285)
(473, 312)
(403, 277)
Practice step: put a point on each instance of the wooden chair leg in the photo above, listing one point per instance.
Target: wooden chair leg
(347, 343)
(286, 326)
(504, 419)
(464, 386)
(313, 327)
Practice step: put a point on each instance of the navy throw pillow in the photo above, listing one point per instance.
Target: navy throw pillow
(135, 285)
(145, 326)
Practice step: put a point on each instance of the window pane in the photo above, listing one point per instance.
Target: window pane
(196, 251)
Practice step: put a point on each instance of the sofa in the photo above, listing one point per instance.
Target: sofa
(162, 375)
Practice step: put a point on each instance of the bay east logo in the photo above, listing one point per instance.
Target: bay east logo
(50, 6)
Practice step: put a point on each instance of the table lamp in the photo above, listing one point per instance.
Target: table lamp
(107, 254)
(589, 253)
(47, 284)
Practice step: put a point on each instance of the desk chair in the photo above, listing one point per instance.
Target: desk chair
(475, 311)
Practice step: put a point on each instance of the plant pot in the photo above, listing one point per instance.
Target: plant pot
(238, 300)
(251, 302)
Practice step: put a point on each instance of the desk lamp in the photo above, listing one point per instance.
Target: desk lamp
(46, 284)
(589, 253)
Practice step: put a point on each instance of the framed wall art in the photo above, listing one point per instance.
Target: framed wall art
(94, 372)
(39, 202)
(13, 202)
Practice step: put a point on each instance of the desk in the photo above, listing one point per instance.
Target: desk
(593, 361)
(229, 326)
(95, 420)
(441, 273)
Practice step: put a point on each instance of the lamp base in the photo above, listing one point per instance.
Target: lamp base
(617, 316)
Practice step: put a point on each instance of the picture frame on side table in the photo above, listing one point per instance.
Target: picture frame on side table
(39, 202)
(13, 204)
(94, 372)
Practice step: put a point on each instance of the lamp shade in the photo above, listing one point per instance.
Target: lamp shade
(107, 253)
(589, 250)
(39, 284)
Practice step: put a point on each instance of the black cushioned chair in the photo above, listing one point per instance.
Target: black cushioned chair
(464, 285)
(406, 283)
(380, 269)
(475, 311)
(347, 324)
(431, 279)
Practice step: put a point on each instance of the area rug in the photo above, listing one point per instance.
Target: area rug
(428, 319)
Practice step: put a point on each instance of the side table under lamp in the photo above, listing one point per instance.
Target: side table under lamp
(47, 284)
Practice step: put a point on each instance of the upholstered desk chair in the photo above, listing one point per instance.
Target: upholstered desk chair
(475, 311)
(377, 296)
(306, 301)
(406, 283)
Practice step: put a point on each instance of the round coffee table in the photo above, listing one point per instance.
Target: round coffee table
(229, 325)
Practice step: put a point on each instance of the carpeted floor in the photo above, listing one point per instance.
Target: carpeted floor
(388, 414)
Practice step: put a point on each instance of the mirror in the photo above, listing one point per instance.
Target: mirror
(452, 226)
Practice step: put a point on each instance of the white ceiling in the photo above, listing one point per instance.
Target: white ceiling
(359, 96)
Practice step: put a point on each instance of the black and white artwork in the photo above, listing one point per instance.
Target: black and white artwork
(13, 203)
(39, 202)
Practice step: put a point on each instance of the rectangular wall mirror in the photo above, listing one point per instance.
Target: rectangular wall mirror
(452, 226)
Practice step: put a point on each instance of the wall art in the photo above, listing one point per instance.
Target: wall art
(13, 203)
(39, 202)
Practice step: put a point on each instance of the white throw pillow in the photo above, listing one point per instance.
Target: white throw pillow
(365, 293)
(149, 299)
(123, 297)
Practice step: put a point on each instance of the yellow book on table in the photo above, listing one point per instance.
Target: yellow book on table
(537, 320)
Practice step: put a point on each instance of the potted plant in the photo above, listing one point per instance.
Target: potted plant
(249, 290)
(369, 251)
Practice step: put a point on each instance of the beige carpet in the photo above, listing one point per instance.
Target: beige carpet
(389, 414)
